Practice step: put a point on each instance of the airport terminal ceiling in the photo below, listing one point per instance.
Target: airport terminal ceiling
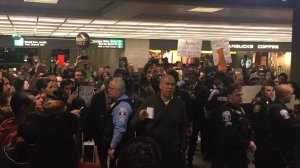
(238, 20)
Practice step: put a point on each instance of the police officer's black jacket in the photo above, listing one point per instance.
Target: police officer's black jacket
(233, 130)
(215, 103)
(184, 95)
(259, 115)
(284, 128)
(198, 97)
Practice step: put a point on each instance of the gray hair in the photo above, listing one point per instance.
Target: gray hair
(119, 82)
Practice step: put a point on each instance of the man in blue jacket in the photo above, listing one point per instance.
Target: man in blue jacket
(115, 122)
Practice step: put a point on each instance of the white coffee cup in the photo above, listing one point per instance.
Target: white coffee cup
(150, 112)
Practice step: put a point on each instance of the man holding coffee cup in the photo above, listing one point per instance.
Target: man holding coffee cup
(163, 118)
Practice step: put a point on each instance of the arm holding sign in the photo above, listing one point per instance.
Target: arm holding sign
(39, 69)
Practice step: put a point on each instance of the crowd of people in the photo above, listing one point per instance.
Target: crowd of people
(150, 116)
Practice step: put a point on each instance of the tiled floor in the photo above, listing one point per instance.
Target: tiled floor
(199, 163)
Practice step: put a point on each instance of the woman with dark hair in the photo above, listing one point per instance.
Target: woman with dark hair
(21, 85)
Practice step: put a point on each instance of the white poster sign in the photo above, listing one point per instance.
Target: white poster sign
(86, 93)
(189, 48)
(217, 44)
(249, 93)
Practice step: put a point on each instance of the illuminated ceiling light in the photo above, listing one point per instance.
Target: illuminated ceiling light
(93, 26)
(80, 21)
(23, 18)
(127, 23)
(86, 29)
(71, 25)
(45, 27)
(150, 24)
(3, 17)
(4, 22)
(22, 26)
(42, 1)
(67, 28)
(48, 24)
(104, 22)
(204, 9)
(59, 34)
(51, 19)
(73, 34)
(101, 35)
(175, 24)
(24, 23)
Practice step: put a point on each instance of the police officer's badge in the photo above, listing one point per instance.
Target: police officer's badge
(285, 114)
(256, 108)
(122, 114)
(226, 116)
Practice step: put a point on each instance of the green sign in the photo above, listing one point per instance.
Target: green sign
(111, 43)
(19, 42)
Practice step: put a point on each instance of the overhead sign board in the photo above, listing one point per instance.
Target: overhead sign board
(110, 43)
(254, 46)
(29, 43)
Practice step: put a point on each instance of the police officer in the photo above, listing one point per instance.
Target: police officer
(215, 101)
(258, 116)
(233, 133)
(198, 96)
(284, 129)
(116, 123)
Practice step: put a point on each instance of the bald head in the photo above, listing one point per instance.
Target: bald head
(284, 93)
(166, 78)
(167, 86)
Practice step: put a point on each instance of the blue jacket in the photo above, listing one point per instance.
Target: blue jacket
(120, 114)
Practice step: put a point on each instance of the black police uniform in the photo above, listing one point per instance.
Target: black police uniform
(212, 107)
(198, 97)
(285, 135)
(233, 136)
(259, 119)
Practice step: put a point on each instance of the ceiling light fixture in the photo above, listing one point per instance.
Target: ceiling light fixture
(43, 1)
(204, 9)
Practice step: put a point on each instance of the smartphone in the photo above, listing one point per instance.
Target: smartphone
(89, 151)
(73, 89)
(84, 57)
(61, 59)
